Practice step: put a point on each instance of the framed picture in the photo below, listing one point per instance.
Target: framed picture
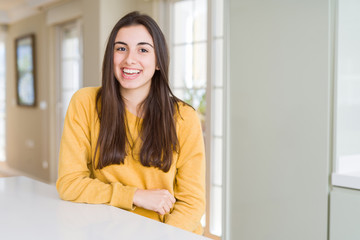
(25, 70)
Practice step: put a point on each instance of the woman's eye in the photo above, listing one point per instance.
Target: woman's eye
(143, 50)
(121, 49)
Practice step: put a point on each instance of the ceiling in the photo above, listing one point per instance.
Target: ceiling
(15, 10)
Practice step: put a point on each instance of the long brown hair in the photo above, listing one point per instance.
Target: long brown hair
(157, 132)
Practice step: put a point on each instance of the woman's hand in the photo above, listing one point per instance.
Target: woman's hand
(158, 200)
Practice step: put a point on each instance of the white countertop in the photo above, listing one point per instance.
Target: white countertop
(30, 209)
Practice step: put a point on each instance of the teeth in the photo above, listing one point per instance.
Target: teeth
(130, 71)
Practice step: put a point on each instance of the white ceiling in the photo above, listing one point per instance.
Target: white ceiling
(15, 10)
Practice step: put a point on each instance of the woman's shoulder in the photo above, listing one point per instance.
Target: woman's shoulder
(86, 95)
(188, 121)
(86, 92)
(186, 112)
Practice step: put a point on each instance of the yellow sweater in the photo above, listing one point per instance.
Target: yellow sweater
(115, 185)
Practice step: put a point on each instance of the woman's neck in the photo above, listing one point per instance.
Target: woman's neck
(132, 100)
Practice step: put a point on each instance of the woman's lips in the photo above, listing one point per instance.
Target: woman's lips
(130, 73)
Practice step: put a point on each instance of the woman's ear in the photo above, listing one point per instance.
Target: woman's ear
(157, 68)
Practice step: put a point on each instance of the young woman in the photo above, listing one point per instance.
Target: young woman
(131, 143)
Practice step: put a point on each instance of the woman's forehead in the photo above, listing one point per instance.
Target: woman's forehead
(133, 34)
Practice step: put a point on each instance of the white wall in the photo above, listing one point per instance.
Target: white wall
(279, 119)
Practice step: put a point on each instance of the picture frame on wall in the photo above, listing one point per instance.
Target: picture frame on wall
(25, 70)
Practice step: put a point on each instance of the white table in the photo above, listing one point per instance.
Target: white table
(30, 209)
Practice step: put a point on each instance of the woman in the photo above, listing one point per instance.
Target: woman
(131, 143)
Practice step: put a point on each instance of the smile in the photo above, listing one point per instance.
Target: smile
(128, 71)
(130, 74)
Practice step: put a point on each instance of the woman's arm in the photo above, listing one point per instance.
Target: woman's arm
(74, 182)
(189, 188)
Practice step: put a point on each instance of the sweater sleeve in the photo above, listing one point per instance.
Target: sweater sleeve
(75, 182)
(189, 189)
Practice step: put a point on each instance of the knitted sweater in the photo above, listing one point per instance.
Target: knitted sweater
(115, 185)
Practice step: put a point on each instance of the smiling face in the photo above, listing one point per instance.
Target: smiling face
(134, 59)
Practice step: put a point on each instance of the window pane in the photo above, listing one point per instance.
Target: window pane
(71, 74)
(196, 98)
(70, 43)
(183, 21)
(215, 210)
(189, 66)
(218, 9)
(180, 93)
(219, 61)
(218, 112)
(216, 162)
(199, 65)
(189, 21)
(182, 66)
(200, 20)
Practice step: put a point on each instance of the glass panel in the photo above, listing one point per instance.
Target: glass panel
(71, 74)
(200, 20)
(219, 62)
(218, 9)
(70, 43)
(182, 68)
(218, 112)
(189, 66)
(199, 65)
(183, 21)
(2, 130)
(189, 79)
(197, 99)
(215, 210)
(348, 88)
(71, 62)
(179, 93)
(190, 21)
(216, 162)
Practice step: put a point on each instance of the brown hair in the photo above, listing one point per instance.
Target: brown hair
(158, 132)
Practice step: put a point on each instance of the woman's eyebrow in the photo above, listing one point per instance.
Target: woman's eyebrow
(145, 43)
(119, 42)
(140, 43)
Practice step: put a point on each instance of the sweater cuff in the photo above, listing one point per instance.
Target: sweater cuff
(122, 196)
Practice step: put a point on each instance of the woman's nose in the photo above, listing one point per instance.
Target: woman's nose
(131, 58)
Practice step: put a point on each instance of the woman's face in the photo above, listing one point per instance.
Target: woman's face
(134, 59)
